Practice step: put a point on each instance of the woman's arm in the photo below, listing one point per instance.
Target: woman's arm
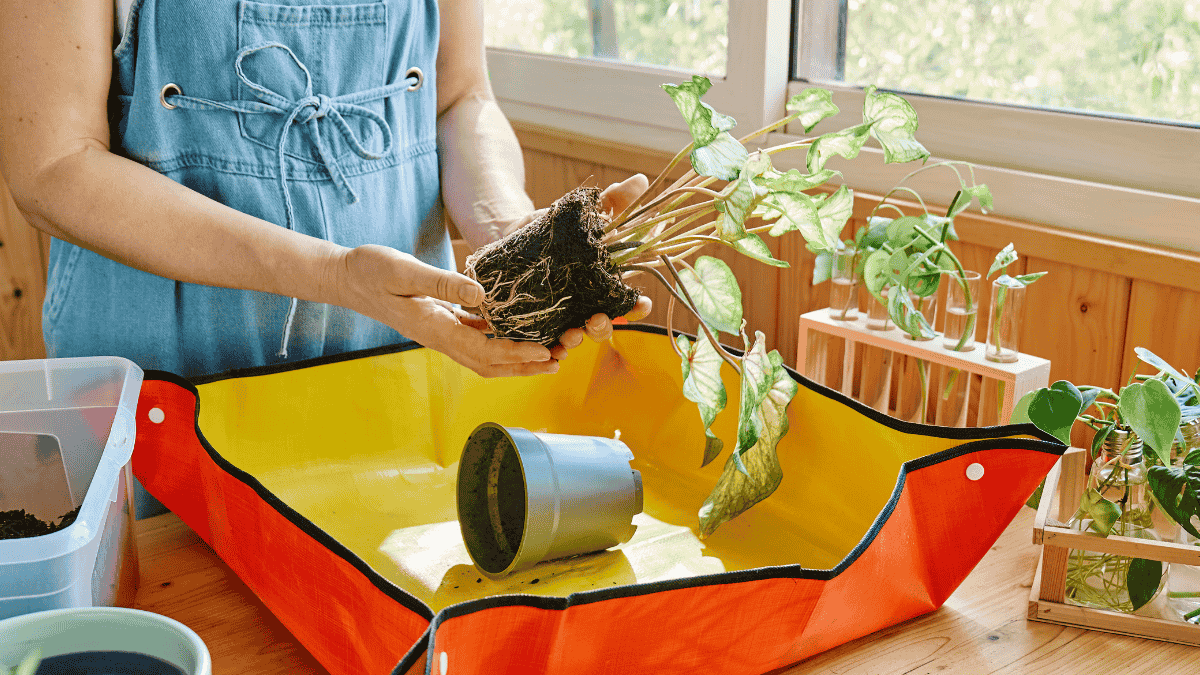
(483, 171)
(55, 68)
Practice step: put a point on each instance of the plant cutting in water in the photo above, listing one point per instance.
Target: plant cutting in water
(1150, 408)
(572, 261)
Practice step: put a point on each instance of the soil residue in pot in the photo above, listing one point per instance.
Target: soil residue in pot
(551, 275)
(18, 524)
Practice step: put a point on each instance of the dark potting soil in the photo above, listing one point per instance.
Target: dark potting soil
(551, 275)
(106, 663)
(510, 496)
(19, 525)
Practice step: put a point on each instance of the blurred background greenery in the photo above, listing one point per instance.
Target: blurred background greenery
(1138, 58)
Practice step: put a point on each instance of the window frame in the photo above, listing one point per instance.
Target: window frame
(1121, 178)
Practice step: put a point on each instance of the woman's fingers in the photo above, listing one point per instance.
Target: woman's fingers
(641, 310)
(616, 197)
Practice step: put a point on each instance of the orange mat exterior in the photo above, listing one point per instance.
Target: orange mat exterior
(935, 529)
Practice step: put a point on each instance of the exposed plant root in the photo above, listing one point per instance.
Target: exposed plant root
(551, 275)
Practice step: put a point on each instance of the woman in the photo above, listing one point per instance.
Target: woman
(244, 183)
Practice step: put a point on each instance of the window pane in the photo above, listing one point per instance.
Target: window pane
(686, 34)
(1138, 58)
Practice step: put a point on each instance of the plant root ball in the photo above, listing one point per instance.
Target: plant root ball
(551, 275)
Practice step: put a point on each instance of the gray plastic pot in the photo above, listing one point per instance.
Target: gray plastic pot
(525, 497)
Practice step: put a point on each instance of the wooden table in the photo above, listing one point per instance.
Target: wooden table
(981, 629)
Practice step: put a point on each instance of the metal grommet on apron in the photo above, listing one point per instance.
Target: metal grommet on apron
(167, 89)
(415, 73)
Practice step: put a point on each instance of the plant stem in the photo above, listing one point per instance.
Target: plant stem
(649, 190)
(652, 244)
(670, 325)
(686, 301)
(691, 304)
(695, 189)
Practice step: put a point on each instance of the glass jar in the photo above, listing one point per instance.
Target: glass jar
(1183, 588)
(1100, 580)
(962, 306)
(843, 289)
(878, 317)
(1004, 320)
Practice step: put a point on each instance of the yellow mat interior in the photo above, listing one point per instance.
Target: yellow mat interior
(367, 449)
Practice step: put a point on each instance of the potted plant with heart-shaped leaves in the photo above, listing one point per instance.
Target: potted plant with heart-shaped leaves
(1144, 479)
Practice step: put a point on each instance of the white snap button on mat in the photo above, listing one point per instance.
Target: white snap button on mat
(975, 471)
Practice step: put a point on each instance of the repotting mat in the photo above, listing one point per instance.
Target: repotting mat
(328, 487)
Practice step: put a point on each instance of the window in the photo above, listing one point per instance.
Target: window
(1082, 113)
(1126, 58)
(686, 34)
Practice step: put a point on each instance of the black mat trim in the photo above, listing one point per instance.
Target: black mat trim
(977, 438)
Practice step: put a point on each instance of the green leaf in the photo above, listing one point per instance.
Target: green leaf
(902, 231)
(846, 143)
(876, 234)
(1153, 414)
(893, 122)
(1098, 439)
(798, 211)
(793, 180)
(739, 198)
(962, 200)
(722, 158)
(1027, 279)
(757, 373)
(935, 224)
(702, 385)
(1020, 411)
(1035, 499)
(1177, 489)
(823, 267)
(1054, 409)
(704, 123)
(1142, 581)
(1104, 513)
(738, 489)
(715, 292)
(813, 104)
(1006, 257)
(1154, 360)
(753, 246)
(834, 212)
(875, 273)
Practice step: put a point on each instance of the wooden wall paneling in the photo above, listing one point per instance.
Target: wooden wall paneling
(22, 284)
(1166, 321)
(1076, 318)
(797, 294)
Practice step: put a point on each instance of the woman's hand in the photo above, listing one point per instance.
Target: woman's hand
(613, 200)
(417, 300)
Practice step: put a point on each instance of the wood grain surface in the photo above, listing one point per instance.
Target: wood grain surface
(981, 630)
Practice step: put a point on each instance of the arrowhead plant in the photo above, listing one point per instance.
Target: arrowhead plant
(732, 196)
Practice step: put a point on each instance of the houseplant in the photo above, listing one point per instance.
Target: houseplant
(571, 262)
(1147, 412)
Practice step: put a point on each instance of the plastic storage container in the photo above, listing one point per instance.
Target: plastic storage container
(87, 405)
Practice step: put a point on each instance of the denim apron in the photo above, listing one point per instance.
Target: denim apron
(315, 115)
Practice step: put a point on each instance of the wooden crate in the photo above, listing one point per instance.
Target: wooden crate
(1047, 599)
(879, 368)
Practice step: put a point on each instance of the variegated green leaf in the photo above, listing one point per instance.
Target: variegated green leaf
(893, 122)
(845, 143)
(759, 474)
(1006, 257)
(834, 211)
(723, 158)
(813, 104)
(757, 373)
(797, 211)
(753, 246)
(738, 199)
(875, 273)
(793, 180)
(704, 123)
(962, 200)
(715, 292)
(702, 385)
